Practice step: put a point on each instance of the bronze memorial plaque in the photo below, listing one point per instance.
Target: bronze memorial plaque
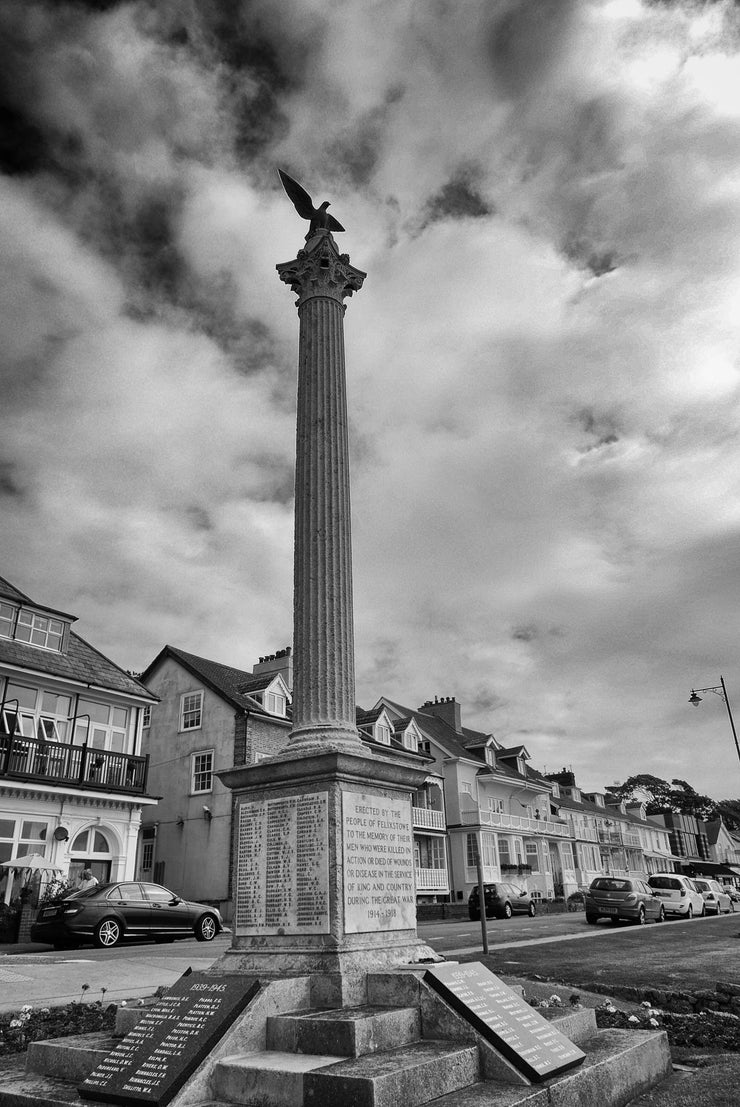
(526, 1039)
(379, 888)
(282, 884)
(168, 1044)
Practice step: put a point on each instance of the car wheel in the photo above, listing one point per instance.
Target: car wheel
(690, 912)
(641, 917)
(532, 911)
(507, 910)
(474, 915)
(661, 914)
(107, 934)
(703, 912)
(206, 928)
(591, 919)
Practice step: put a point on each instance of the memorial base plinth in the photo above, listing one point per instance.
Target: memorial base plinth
(324, 870)
(336, 979)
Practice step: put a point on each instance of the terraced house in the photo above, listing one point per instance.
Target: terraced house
(73, 779)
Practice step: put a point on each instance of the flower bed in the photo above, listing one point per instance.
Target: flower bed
(33, 1024)
(714, 1030)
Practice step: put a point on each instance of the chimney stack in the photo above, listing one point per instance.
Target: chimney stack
(446, 708)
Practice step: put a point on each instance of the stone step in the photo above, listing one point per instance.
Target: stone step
(619, 1066)
(270, 1078)
(410, 1075)
(347, 1031)
(71, 1058)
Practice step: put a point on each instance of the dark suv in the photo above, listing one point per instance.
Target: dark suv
(502, 901)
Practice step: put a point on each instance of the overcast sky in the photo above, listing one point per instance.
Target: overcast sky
(542, 364)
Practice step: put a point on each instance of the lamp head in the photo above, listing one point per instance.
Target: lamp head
(694, 699)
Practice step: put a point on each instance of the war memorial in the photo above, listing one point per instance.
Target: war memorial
(327, 997)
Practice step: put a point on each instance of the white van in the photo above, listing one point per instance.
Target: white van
(678, 893)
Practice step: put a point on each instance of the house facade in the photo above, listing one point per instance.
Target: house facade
(208, 717)
(73, 777)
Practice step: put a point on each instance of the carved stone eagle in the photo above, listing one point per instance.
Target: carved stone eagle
(319, 217)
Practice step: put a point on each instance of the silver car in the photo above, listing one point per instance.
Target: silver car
(716, 900)
(678, 893)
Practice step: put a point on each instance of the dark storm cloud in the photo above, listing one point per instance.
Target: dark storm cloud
(525, 40)
(9, 482)
(459, 198)
(602, 428)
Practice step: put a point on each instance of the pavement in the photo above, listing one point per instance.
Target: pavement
(34, 974)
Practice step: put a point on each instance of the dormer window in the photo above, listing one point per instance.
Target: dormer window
(410, 740)
(490, 757)
(31, 627)
(383, 733)
(7, 620)
(275, 703)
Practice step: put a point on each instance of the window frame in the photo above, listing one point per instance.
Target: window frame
(182, 729)
(32, 620)
(195, 772)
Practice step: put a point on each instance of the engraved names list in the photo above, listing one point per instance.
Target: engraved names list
(379, 888)
(282, 884)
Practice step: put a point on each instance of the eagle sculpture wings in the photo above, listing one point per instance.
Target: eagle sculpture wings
(319, 217)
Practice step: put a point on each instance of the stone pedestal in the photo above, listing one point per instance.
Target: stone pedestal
(324, 871)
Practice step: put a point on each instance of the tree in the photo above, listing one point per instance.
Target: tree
(658, 795)
(729, 812)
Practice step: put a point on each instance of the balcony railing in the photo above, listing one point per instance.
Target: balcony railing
(432, 880)
(516, 822)
(24, 758)
(428, 818)
(584, 833)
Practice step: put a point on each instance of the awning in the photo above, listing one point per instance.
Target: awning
(709, 868)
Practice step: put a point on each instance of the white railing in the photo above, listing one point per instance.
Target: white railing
(516, 822)
(429, 818)
(432, 879)
(584, 833)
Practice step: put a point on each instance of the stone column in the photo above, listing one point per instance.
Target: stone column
(323, 634)
(324, 856)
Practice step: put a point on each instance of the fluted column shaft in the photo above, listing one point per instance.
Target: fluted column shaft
(323, 631)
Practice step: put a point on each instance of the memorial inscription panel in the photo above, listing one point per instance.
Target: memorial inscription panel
(282, 867)
(166, 1046)
(533, 1045)
(379, 887)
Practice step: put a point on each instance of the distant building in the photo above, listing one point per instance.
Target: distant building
(209, 717)
(73, 779)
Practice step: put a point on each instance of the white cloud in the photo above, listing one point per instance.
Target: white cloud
(543, 398)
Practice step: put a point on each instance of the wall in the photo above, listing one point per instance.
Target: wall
(196, 854)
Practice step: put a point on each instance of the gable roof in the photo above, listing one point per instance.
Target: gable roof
(231, 684)
(80, 662)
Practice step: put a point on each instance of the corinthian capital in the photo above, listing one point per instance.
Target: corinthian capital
(320, 270)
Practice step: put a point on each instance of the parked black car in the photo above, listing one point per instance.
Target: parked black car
(108, 913)
(502, 901)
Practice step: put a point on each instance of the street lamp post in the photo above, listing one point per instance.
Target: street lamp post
(719, 690)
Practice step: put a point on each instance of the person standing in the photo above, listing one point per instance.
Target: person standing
(87, 880)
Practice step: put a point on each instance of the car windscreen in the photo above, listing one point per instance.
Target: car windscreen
(612, 885)
(664, 882)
